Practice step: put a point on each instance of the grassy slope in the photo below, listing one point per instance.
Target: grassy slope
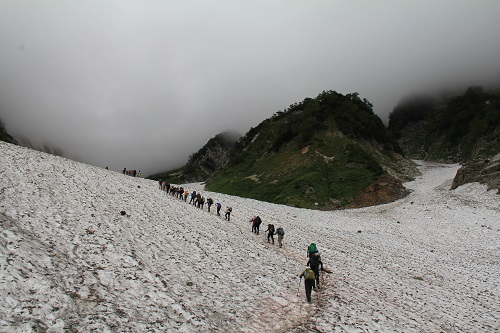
(325, 171)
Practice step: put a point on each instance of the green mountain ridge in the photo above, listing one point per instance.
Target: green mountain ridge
(321, 153)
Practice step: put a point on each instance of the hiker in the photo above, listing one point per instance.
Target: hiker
(309, 281)
(256, 221)
(201, 202)
(270, 232)
(124, 170)
(280, 232)
(228, 213)
(253, 220)
(311, 250)
(186, 194)
(219, 206)
(139, 173)
(160, 182)
(315, 263)
(210, 202)
(193, 197)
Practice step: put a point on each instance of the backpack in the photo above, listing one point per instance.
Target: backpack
(312, 248)
(210, 201)
(310, 275)
(230, 209)
(280, 232)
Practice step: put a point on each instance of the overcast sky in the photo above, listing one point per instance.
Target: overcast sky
(143, 84)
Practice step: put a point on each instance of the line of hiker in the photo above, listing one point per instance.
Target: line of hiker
(271, 231)
(195, 198)
(314, 265)
(133, 173)
(311, 273)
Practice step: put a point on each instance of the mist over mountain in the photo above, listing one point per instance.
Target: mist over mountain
(147, 83)
(4, 135)
(457, 128)
(205, 162)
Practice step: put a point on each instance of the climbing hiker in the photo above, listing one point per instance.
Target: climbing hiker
(281, 233)
(270, 232)
(316, 264)
(309, 281)
(256, 221)
(210, 202)
(228, 213)
(219, 206)
(193, 197)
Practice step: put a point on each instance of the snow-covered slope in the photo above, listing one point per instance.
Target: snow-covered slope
(70, 262)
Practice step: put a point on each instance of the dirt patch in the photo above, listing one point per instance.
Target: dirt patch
(386, 189)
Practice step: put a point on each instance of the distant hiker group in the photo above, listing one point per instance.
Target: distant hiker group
(271, 231)
(133, 173)
(195, 198)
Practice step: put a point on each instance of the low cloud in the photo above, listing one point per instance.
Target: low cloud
(142, 85)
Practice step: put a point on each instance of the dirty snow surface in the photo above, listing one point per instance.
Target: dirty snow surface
(71, 262)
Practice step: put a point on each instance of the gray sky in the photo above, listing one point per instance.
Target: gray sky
(143, 84)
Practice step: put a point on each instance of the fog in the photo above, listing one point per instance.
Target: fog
(143, 84)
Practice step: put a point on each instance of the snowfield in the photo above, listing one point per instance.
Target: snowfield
(70, 262)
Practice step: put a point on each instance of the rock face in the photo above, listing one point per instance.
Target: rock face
(461, 128)
(386, 189)
(209, 158)
(484, 171)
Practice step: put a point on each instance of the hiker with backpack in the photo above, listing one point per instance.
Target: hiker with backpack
(227, 216)
(309, 281)
(256, 221)
(270, 232)
(280, 232)
(210, 202)
(219, 206)
(193, 197)
(316, 264)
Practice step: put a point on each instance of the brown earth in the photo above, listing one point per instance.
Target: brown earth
(386, 189)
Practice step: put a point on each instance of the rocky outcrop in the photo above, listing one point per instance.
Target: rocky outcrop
(386, 189)
(485, 171)
(210, 158)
